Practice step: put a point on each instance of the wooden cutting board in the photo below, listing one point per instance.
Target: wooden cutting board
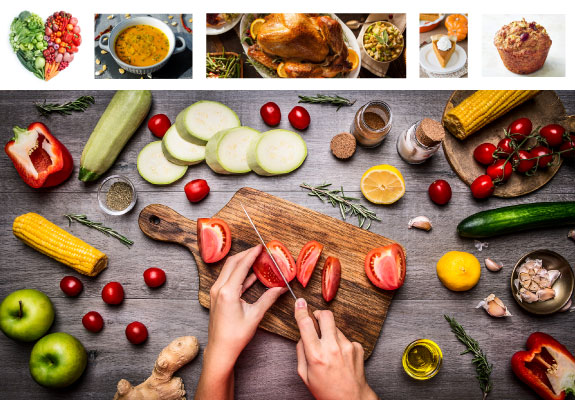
(359, 307)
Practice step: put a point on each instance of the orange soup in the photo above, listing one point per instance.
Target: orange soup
(142, 45)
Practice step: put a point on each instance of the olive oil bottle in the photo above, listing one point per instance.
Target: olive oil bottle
(422, 359)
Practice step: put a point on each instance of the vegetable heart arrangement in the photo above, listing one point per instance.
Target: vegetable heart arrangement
(47, 48)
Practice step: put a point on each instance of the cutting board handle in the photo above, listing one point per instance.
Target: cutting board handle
(161, 223)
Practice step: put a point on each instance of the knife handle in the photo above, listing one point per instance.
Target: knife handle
(315, 323)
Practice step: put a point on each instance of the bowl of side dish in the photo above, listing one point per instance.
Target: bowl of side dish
(383, 42)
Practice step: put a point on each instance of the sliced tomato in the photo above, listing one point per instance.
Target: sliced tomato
(330, 278)
(214, 239)
(267, 272)
(307, 260)
(385, 267)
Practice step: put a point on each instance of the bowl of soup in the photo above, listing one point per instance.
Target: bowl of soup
(142, 45)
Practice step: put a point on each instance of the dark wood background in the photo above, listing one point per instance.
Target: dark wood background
(267, 367)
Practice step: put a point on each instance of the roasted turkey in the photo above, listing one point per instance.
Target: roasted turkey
(310, 46)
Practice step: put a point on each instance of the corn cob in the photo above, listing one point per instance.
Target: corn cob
(53, 241)
(481, 108)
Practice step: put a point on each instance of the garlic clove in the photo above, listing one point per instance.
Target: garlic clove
(524, 277)
(544, 283)
(567, 306)
(534, 287)
(492, 265)
(494, 306)
(527, 296)
(571, 234)
(420, 222)
(545, 294)
(553, 275)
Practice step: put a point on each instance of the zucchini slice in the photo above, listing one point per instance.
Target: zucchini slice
(154, 167)
(227, 151)
(203, 119)
(180, 151)
(276, 152)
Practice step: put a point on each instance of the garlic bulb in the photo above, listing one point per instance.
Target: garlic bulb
(494, 306)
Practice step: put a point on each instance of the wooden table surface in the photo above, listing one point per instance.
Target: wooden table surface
(267, 367)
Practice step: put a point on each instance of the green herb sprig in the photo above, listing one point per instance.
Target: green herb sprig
(346, 204)
(83, 219)
(383, 39)
(80, 104)
(323, 99)
(482, 366)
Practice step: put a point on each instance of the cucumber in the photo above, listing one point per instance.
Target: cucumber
(203, 119)
(124, 114)
(227, 151)
(155, 168)
(512, 219)
(276, 152)
(180, 151)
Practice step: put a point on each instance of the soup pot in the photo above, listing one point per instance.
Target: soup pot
(108, 40)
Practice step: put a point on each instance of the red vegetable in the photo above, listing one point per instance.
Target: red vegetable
(196, 190)
(154, 277)
(505, 147)
(523, 164)
(159, 124)
(483, 153)
(482, 187)
(299, 118)
(271, 114)
(265, 269)
(77, 39)
(307, 260)
(71, 285)
(547, 367)
(553, 134)
(214, 239)
(330, 278)
(568, 147)
(520, 128)
(136, 332)
(40, 159)
(496, 170)
(440, 192)
(113, 293)
(544, 153)
(93, 321)
(385, 267)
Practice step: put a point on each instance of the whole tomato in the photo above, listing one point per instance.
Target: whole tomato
(196, 190)
(505, 147)
(482, 187)
(271, 113)
(520, 128)
(136, 332)
(113, 293)
(544, 153)
(497, 171)
(439, 192)
(568, 147)
(523, 164)
(154, 277)
(71, 285)
(483, 153)
(553, 134)
(299, 118)
(93, 321)
(159, 125)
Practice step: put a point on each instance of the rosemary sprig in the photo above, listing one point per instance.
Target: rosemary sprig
(482, 366)
(322, 99)
(80, 104)
(81, 218)
(346, 204)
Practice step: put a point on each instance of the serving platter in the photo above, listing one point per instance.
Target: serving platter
(429, 61)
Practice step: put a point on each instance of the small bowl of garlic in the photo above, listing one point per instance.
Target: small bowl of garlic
(542, 282)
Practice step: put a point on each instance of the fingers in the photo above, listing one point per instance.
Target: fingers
(358, 359)
(249, 282)
(307, 331)
(301, 362)
(326, 324)
(243, 265)
(267, 299)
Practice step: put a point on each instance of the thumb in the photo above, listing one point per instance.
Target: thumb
(267, 299)
(305, 324)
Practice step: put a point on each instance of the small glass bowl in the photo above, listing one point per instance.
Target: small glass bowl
(103, 191)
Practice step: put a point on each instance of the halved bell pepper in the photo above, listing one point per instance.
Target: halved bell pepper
(40, 158)
(547, 367)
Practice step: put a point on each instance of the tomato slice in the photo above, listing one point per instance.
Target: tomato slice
(267, 272)
(214, 239)
(307, 260)
(385, 267)
(330, 278)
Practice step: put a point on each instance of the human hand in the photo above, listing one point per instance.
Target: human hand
(330, 366)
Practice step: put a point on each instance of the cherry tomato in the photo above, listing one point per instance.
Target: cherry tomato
(520, 128)
(523, 164)
(299, 118)
(553, 134)
(159, 125)
(113, 293)
(568, 147)
(93, 321)
(544, 153)
(505, 147)
(136, 332)
(496, 170)
(385, 267)
(58, 40)
(214, 239)
(154, 277)
(307, 260)
(440, 192)
(482, 187)
(196, 190)
(69, 27)
(330, 278)
(71, 285)
(271, 113)
(483, 153)
(265, 269)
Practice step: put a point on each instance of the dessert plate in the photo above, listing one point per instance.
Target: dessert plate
(429, 61)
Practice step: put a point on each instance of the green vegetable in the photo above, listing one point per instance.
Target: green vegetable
(203, 119)
(223, 66)
(126, 111)
(276, 152)
(80, 104)
(154, 167)
(512, 219)
(27, 41)
(227, 151)
(180, 151)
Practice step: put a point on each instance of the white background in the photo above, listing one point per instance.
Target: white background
(79, 75)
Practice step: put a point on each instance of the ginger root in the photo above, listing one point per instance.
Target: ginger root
(161, 385)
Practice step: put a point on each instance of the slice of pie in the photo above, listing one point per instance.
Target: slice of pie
(443, 47)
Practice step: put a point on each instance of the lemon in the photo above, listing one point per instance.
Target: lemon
(255, 27)
(458, 270)
(382, 184)
(353, 58)
(281, 70)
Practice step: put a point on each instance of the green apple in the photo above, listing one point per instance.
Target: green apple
(58, 360)
(26, 315)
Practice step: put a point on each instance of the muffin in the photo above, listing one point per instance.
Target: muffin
(522, 46)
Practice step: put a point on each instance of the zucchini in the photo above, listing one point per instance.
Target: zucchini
(180, 151)
(276, 152)
(512, 219)
(203, 119)
(126, 111)
(154, 167)
(227, 151)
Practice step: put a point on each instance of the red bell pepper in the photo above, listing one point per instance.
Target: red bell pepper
(40, 158)
(547, 367)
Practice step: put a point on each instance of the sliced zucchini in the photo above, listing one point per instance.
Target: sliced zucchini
(227, 151)
(180, 151)
(154, 167)
(276, 152)
(203, 119)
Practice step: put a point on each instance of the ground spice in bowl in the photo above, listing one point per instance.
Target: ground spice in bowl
(119, 196)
